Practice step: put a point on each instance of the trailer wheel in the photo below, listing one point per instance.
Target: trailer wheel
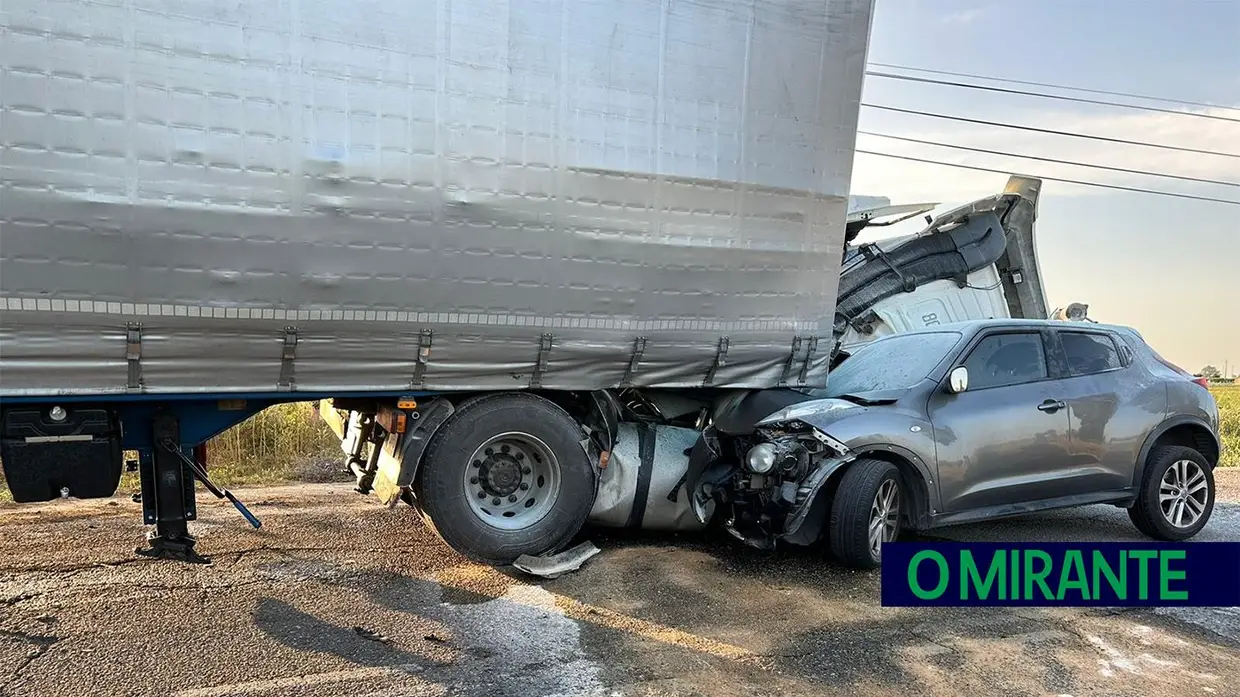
(505, 476)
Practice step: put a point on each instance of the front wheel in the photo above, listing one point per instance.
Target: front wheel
(1176, 496)
(865, 513)
(506, 476)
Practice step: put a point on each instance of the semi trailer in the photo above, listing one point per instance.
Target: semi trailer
(459, 213)
(519, 257)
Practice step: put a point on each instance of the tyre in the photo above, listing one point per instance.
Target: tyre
(1176, 496)
(506, 476)
(865, 513)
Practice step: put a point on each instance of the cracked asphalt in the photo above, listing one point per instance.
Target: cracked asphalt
(339, 596)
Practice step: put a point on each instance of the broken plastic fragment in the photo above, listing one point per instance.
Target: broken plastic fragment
(555, 565)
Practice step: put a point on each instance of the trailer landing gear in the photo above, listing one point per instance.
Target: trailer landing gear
(168, 496)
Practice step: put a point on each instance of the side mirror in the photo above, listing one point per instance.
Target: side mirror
(958, 380)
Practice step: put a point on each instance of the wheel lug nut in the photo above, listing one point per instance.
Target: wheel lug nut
(526, 470)
(477, 463)
(495, 501)
(524, 486)
(512, 499)
(520, 455)
(490, 451)
(482, 494)
(504, 449)
(473, 480)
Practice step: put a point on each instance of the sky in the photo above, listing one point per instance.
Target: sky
(1168, 267)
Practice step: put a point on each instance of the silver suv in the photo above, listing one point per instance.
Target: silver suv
(961, 423)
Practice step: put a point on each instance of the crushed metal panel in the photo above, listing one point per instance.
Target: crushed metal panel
(642, 485)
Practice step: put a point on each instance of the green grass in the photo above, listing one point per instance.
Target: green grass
(1228, 397)
(285, 443)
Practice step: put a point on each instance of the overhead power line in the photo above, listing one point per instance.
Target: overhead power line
(1087, 90)
(1047, 95)
(1039, 158)
(1050, 131)
(1053, 179)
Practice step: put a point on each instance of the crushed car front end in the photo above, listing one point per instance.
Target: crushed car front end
(780, 470)
(768, 464)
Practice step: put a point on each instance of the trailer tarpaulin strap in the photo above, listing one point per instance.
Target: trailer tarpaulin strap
(721, 358)
(809, 360)
(540, 366)
(792, 359)
(287, 356)
(425, 338)
(133, 355)
(639, 347)
(645, 450)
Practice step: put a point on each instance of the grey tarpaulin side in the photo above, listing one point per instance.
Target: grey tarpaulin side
(298, 195)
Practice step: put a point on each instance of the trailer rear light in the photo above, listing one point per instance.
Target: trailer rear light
(392, 420)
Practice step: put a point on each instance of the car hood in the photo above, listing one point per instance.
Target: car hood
(819, 413)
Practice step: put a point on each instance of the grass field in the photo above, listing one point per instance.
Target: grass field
(288, 443)
(1228, 397)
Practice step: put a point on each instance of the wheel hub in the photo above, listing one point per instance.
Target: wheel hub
(500, 475)
(512, 480)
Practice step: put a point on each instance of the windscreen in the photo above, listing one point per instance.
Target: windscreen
(894, 363)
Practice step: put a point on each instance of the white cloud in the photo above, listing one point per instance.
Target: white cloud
(908, 181)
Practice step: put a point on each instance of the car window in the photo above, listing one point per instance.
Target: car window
(893, 363)
(1006, 359)
(1089, 353)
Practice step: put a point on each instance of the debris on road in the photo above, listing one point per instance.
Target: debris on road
(556, 565)
(372, 635)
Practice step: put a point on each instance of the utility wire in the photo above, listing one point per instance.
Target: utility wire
(1053, 179)
(1047, 95)
(1050, 131)
(1054, 86)
(1074, 163)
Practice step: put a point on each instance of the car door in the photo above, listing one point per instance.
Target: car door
(1004, 439)
(1112, 404)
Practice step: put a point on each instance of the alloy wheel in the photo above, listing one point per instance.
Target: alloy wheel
(1183, 493)
(884, 516)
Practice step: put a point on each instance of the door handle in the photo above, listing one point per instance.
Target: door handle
(1051, 406)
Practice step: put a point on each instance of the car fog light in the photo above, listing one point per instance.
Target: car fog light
(761, 458)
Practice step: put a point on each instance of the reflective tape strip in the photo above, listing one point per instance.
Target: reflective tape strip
(99, 307)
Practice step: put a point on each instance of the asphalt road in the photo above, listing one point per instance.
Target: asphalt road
(339, 596)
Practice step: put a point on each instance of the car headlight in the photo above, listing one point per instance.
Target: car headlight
(761, 458)
(796, 412)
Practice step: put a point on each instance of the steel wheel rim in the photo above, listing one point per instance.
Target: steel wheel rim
(884, 516)
(512, 481)
(1183, 493)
